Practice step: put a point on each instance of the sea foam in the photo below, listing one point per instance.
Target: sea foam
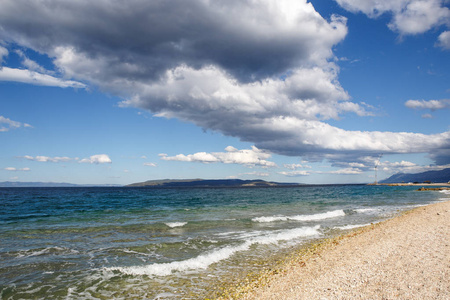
(447, 192)
(367, 210)
(348, 227)
(175, 224)
(315, 217)
(203, 261)
(46, 251)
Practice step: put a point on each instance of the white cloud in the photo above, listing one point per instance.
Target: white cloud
(41, 158)
(420, 16)
(430, 104)
(10, 124)
(346, 171)
(304, 137)
(408, 16)
(296, 166)
(444, 40)
(295, 173)
(97, 159)
(252, 156)
(94, 159)
(427, 116)
(210, 96)
(32, 77)
(150, 164)
(269, 113)
(406, 167)
(259, 174)
(30, 64)
(357, 165)
(16, 169)
(3, 53)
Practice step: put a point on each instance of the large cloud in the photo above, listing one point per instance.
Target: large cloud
(139, 39)
(257, 70)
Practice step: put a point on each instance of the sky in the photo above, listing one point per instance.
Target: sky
(321, 91)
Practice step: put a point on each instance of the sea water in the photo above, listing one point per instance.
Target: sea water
(149, 243)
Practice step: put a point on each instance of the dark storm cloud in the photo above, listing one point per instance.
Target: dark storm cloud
(150, 37)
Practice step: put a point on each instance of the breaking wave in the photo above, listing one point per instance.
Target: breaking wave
(315, 217)
(203, 261)
(175, 224)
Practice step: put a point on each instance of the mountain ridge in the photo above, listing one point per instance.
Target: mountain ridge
(209, 183)
(49, 184)
(442, 176)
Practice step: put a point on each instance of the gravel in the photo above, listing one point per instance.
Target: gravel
(407, 257)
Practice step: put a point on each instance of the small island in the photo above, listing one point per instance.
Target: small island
(202, 183)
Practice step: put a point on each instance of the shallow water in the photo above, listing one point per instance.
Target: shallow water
(103, 243)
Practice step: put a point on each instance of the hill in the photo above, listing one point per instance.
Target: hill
(50, 184)
(441, 176)
(35, 184)
(208, 183)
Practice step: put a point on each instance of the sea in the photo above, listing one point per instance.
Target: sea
(173, 243)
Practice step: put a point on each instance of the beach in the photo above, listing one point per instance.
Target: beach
(407, 257)
(134, 243)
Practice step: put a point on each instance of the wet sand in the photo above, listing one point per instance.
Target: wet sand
(407, 257)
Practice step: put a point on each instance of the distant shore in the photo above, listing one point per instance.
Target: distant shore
(402, 258)
(445, 184)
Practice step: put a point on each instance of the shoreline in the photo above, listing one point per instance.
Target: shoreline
(403, 257)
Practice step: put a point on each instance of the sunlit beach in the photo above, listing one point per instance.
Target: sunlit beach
(263, 149)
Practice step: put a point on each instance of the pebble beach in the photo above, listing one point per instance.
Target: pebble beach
(407, 257)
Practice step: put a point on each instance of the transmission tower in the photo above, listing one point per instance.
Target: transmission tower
(377, 163)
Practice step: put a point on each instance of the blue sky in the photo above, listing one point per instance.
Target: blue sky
(116, 92)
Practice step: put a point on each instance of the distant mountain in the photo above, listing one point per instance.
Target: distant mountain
(432, 176)
(208, 183)
(47, 184)
(35, 184)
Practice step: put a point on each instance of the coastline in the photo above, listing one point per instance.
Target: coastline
(404, 257)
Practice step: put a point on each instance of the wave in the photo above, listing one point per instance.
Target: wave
(367, 210)
(447, 192)
(348, 227)
(44, 251)
(203, 261)
(175, 224)
(315, 217)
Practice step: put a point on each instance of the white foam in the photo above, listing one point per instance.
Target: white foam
(30, 253)
(286, 235)
(347, 227)
(175, 224)
(315, 217)
(227, 233)
(447, 192)
(203, 261)
(367, 210)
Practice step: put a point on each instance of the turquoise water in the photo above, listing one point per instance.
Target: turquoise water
(122, 243)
